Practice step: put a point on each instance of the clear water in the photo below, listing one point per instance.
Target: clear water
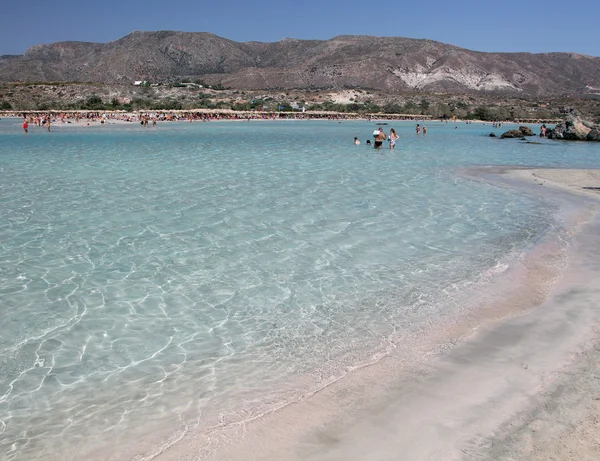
(197, 275)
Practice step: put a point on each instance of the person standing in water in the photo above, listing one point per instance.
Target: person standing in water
(393, 137)
(25, 125)
(424, 129)
(418, 128)
(378, 144)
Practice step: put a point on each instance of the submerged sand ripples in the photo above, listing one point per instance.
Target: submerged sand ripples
(154, 282)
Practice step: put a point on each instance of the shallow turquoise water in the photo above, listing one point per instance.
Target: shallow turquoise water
(195, 275)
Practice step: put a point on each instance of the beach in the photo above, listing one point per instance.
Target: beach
(517, 380)
(273, 291)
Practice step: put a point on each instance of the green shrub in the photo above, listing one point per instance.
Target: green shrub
(392, 108)
(167, 104)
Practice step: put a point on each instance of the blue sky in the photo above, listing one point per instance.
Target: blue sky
(485, 25)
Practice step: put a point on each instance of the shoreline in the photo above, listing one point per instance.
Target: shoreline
(487, 386)
(574, 181)
(202, 115)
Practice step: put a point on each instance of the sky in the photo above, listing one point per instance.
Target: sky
(485, 25)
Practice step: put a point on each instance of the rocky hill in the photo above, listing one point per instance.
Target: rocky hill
(389, 64)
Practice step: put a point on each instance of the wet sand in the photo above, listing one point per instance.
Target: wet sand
(586, 182)
(517, 378)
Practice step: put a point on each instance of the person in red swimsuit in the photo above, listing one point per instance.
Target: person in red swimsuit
(25, 125)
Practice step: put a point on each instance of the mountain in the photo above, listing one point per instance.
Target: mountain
(383, 63)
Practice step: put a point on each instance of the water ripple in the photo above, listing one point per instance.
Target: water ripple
(155, 282)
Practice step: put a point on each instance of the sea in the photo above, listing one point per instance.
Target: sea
(170, 282)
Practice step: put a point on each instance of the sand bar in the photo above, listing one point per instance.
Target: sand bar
(575, 181)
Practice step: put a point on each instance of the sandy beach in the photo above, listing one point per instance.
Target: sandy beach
(518, 378)
(457, 319)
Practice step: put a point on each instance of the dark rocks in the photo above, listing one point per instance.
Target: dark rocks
(594, 135)
(492, 135)
(512, 134)
(575, 129)
(520, 133)
(526, 131)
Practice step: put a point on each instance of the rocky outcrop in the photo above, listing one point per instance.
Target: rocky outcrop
(594, 135)
(575, 129)
(526, 131)
(520, 133)
(512, 134)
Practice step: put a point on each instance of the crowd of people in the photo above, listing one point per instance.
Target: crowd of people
(91, 117)
(88, 118)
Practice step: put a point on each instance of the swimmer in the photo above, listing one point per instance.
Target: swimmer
(393, 138)
(356, 141)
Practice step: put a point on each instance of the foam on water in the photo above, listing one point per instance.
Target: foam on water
(199, 275)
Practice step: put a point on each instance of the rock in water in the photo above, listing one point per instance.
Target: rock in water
(512, 134)
(526, 131)
(594, 135)
(575, 129)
